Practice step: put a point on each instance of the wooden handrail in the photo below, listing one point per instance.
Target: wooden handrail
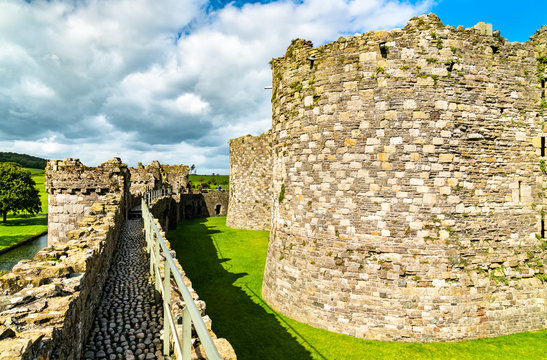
(191, 314)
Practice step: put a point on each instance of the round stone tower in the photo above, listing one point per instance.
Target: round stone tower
(409, 184)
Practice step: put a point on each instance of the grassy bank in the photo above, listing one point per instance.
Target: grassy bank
(226, 267)
(211, 181)
(23, 226)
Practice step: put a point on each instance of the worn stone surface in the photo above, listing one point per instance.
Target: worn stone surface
(156, 176)
(47, 303)
(409, 184)
(203, 203)
(128, 320)
(73, 188)
(250, 182)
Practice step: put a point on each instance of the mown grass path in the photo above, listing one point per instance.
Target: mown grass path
(23, 226)
(226, 267)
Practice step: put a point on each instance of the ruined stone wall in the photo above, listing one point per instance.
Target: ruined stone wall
(160, 208)
(250, 182)
(156, 176)
(47, 303)
(176, 177)
(204, 203)
(144, 179)
(73, 188)
(409, 184)
(217, 202)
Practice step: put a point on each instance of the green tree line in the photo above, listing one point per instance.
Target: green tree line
(24, 160)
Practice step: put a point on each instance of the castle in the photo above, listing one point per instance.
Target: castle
(48, 304)
(403, 183)
(73, 188)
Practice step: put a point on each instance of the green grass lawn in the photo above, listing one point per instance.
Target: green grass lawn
(23, 226)
(223, 180)
(226, 267)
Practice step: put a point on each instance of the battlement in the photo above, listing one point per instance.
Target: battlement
(73, 189)
(71, 176)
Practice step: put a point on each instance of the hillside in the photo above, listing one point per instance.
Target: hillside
(24, 160)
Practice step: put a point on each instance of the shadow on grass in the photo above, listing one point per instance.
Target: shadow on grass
(25, 220)
(253, 332)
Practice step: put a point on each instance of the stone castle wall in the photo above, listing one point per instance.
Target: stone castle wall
(176, 176)
(47, 303)
(409, 184)
(155, 176)
(250, 182)
(204, 203)
(144, 179)
(73, 188)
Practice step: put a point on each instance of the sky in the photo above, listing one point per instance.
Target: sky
(174, 80)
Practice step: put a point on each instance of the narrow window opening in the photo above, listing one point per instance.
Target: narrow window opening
(383, 50)
(543, 84)
(543, 146)
(542, 228)
(217, 209)
(450, 66)
(502, 110)
(520, 183)
(311, 59)
(495, 49)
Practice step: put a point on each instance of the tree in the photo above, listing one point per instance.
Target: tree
(192, 168)
(17, 191)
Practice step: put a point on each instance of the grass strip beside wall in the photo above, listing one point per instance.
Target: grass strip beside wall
(226, 267)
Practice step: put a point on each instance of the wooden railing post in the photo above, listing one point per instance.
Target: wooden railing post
(166, 307)
(186, 334)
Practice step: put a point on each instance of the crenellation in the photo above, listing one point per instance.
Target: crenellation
(73, 188)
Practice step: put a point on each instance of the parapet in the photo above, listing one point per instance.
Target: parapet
(70, 176)
(46, 302)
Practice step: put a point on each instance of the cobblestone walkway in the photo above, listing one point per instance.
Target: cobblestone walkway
(127, 321)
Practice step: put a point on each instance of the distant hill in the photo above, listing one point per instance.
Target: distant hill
(24, 160)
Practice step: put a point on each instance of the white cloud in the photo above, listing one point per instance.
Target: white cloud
(35, 88)
(146, 80)
(191, 104)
